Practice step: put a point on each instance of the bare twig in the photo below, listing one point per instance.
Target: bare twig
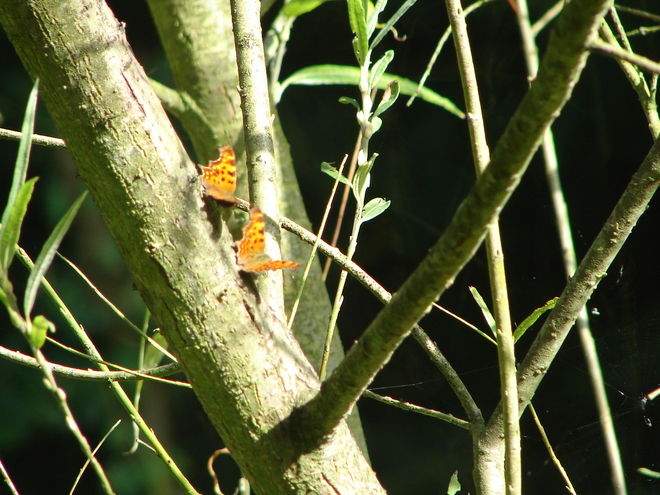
(407, 406)
(619, 53)
(36, 138)
(92, 375)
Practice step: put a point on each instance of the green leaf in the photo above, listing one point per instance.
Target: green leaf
(388, 25)
(454, 485)
(153, 355)
(12, 229)
(362, 180)
(296, 8)
(46, 255)
(373, 16)
(390, 95)
(349, 101)
(333, 172)
(22, 160)
(531, 319)
(379, 68)
(488, 316)
(374, 127)
(39, 329)
(374, 208)
(317, 75)
(359, 27)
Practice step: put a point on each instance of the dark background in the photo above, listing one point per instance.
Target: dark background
(425, 168)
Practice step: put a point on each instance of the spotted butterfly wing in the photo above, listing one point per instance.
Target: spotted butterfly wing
(219, 176)
(251, 255)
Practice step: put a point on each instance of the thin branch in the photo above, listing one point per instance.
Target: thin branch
(441, 43)
(636, 78)
(92, 375)
(407, 406)
(8, 481)
(257, 124)
(619, 53)
(36, 138)
(460, 390)
(547, 17)
(637, 12)
(495, 253)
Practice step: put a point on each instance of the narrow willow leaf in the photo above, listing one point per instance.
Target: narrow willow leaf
(333, 172)
(373, 16)
(349, 101)
(153, 356)
(531, 319)
(296, 8)
(23, 158)
(358, 23)
(388, 25)
(11, 231)
(362, 179)
(379, 68)
(454, 486)
(374, 208)
(361, 182)
(488, 316)
(389, 97)
(39, 329)
(46, 255)
(374, 126)
(317, 75)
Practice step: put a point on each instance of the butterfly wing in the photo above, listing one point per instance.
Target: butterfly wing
(253, 243)
(219, 176)
(271, 265)
(251, 255)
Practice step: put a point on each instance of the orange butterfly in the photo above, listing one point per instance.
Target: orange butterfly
(219, 176)
(251, 256)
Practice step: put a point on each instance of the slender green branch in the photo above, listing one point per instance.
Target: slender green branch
(551, 451)
(636, 78)
(441, 43)
(36, 138)
(470, 407)
(638, 12)
(495, 254)
(92, 375)
(407, 406)
(617, 52)
(547, 17)
(257, 125)
(8, 481)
